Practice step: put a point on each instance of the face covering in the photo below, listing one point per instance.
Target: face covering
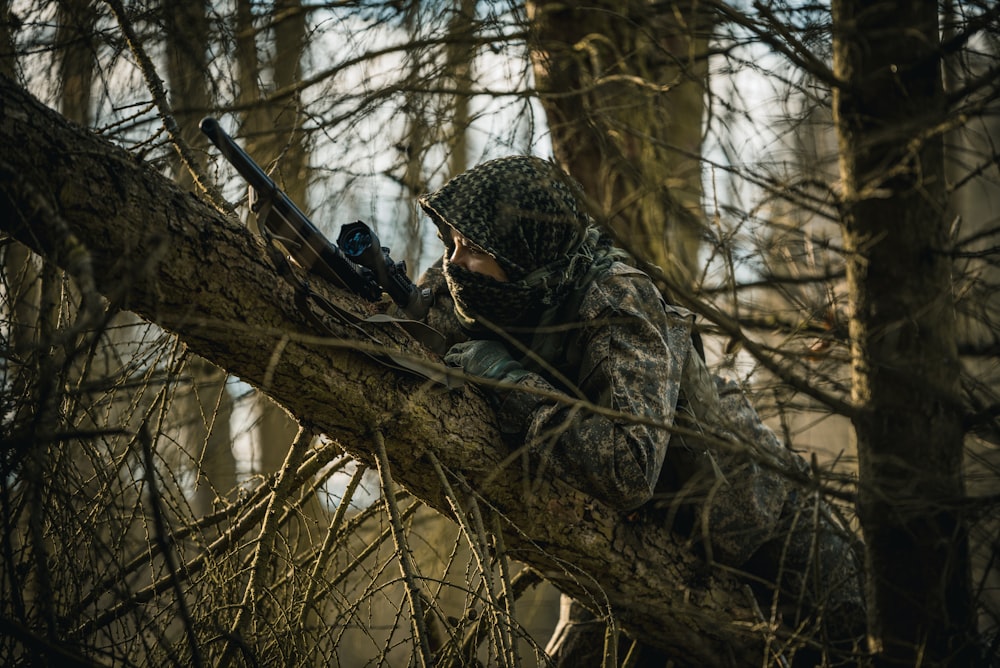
(526, 214)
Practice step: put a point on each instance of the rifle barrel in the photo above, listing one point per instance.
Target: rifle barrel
(289, 226)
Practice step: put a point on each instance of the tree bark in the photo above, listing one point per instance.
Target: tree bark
(169, 257)
(904, 357)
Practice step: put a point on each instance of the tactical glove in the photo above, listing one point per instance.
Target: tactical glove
(485, 359)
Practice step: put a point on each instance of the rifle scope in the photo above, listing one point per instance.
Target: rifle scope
(358, 242)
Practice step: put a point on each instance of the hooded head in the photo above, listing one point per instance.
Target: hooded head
(527, 215)
(521, 210)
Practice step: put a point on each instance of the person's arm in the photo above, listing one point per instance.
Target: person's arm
(441, 314)
(633, 352)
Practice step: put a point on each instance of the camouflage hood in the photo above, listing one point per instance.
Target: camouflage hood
(523, 211)
(526, 213)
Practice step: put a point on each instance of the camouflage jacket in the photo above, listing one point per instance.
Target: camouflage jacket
(622, 350)
(725, 479)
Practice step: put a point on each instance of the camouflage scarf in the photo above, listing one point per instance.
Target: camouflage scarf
(521, 303)
(526, 214)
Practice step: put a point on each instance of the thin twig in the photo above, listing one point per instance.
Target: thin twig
(253, 508)
(161, 535)
(505, 598)
(329, 541)
(499, 629)
(369, 549)
(156, 89)
(475, 536)
(265, 542)
(404, 556)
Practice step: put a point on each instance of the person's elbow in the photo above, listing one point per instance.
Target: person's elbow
(625, 499)
(631, 484)
(625, 496)
(621, 467)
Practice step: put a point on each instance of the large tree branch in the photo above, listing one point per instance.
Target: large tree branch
(171, 258)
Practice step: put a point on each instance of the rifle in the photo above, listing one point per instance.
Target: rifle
(361, 264)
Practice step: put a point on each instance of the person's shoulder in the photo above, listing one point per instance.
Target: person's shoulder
(621, 274)
(623, 287)
(620, 286)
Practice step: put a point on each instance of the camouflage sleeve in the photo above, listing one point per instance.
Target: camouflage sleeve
(633, 351)
(441, 315)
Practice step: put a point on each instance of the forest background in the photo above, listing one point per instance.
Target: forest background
(195, 472)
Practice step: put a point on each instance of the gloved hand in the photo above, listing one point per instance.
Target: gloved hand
(487, 359)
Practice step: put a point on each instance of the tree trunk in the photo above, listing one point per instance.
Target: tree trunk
(288, 143)
(187, 37)
(203, 414)
(275, 139)
(905, 364)
(623, 86)
(78, 59)
(171, 258)
(8, 58)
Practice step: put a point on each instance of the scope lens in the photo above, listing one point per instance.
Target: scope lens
(355, 242)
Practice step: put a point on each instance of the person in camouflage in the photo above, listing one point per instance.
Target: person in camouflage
(540, 301)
